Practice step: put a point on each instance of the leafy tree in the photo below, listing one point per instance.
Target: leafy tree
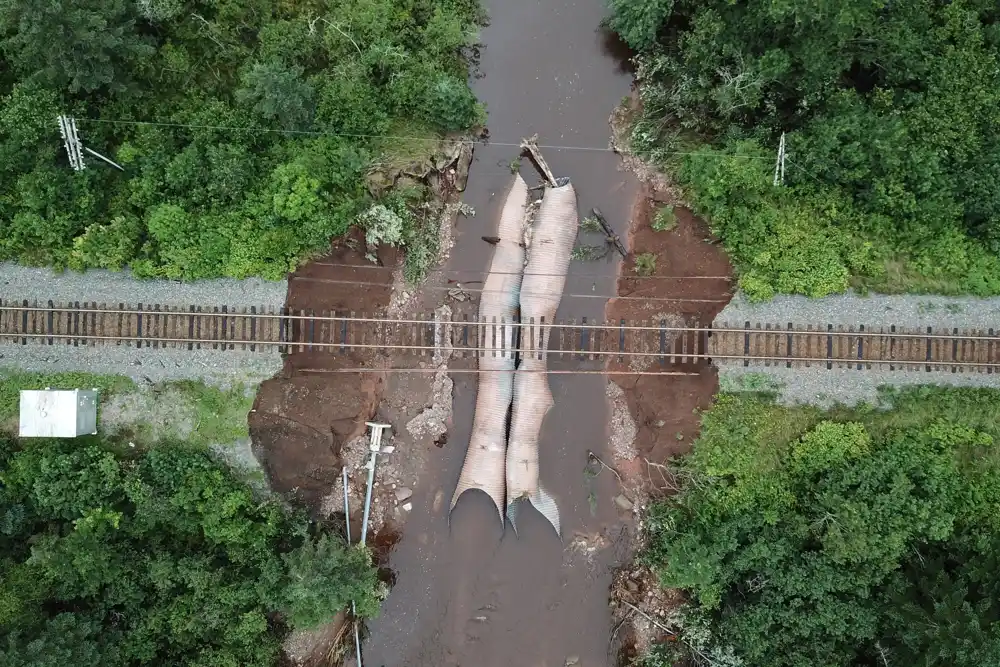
(324, 575)
(841, 539)
(83, 45)
(891, 114)
(162, 559)
(277, 93)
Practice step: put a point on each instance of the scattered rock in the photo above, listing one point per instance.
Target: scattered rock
(632, 586)
(623, 502)
(432, 423)
(572, 660)
(403, 493)
(438, 500)
(407, 507)
(623, 428)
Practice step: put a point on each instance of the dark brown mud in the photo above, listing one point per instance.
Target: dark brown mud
(690, 266)
(299, 422)
(468, 593)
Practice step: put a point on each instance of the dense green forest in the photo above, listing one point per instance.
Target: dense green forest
(163, 558)
(892, 115)
(851, 538)
(244, 126)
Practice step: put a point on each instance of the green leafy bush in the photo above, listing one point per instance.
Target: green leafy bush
(890, 114)
(665, 219)
(645, 264)
(810, 538)
(264, 124)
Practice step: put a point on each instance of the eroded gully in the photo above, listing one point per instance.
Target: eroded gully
(468, 593)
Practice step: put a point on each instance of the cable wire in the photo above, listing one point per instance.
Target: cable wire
(484, 272)
(345, 135)
(482, 290)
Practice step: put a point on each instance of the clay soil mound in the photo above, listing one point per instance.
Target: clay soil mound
(688, 266)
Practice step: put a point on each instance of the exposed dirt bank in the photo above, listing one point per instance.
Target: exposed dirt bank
(687, 266)
(308, 422)
(689, 285)
(301, 420)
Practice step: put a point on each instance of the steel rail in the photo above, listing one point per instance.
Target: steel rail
(607, 325)
(556, 353)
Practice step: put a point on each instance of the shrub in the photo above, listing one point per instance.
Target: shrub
(665, 220)
(645, 264)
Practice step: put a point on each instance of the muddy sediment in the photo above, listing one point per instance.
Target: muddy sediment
(467, 593)
(690, 285)
(301, 419)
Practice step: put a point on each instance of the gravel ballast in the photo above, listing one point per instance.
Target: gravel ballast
(876, 310)
(215, 367)
(21, 282)
(818, 386)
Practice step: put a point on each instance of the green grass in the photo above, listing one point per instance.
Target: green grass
(757, 383)
(393, 152)
(12, 381)
(185, 411)
(750, 431)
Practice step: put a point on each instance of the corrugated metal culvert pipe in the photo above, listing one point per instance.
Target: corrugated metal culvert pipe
(484, 461)
(554, 233)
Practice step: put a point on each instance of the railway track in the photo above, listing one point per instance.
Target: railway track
(641, 345)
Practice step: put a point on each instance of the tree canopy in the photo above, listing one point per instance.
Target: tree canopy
(892, 116)
(842, 539)
(164, 558)
(245, 128)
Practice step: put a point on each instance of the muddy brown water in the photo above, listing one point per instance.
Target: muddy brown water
(469, 593)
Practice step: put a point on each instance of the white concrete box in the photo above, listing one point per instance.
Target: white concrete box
(58, 413)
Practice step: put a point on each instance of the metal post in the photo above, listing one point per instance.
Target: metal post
(375, 446)
(354, 609)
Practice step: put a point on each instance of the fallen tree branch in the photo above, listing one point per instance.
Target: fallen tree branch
(531, 145)
(612, 237)
(649, 618)
(595, 457)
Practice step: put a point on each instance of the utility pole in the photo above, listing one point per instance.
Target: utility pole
(67, 128)
(779, 165)
(74, 148)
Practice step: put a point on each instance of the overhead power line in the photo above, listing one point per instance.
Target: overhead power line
(480, 290)
(394, 137)
(483, 272)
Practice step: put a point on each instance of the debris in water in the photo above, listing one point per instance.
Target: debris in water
(623, 502)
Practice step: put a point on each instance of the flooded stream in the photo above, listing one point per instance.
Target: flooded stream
(469, 594)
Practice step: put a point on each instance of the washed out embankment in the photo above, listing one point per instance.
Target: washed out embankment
(691, 268)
